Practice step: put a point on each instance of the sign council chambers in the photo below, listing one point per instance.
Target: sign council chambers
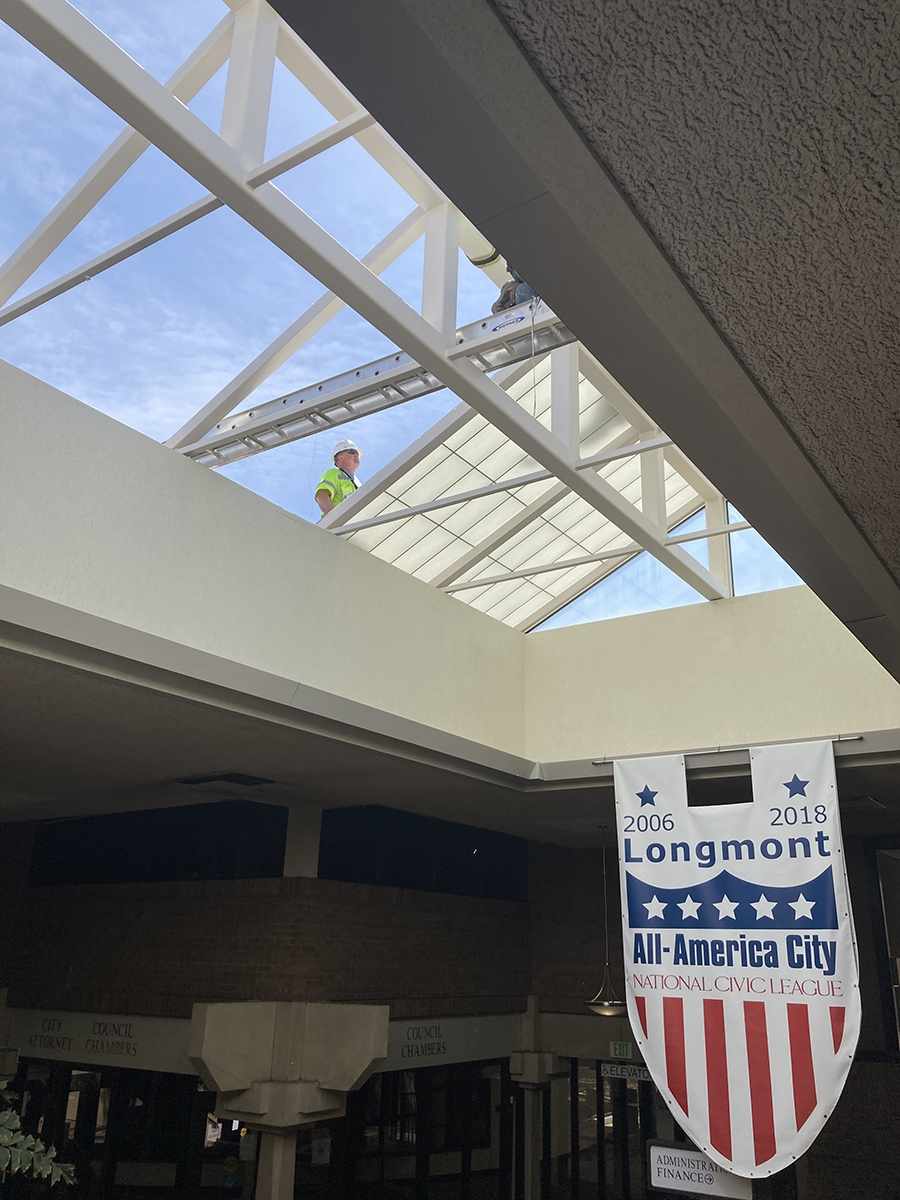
(740, 957)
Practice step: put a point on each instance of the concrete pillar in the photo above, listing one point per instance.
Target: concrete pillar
(275, 1176)
(277, 1065)
(533, 1141)
(533, 1069)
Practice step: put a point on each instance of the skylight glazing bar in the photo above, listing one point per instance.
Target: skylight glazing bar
(503, 485)
(585, 560)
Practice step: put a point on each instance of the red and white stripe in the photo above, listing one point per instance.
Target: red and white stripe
(768, 1062)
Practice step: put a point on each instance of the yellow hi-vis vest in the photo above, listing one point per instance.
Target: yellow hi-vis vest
(337, 483)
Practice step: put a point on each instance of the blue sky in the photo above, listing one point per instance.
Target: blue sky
(151, 340)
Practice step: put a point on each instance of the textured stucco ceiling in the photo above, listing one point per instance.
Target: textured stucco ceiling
(758, 141)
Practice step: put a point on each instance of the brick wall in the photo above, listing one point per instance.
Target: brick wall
(157, 948)
(566, 902)
(154, 949)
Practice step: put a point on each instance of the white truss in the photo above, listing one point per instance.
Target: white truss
(521, 544)
(584, 450)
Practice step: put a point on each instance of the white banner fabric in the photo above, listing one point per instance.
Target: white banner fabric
(740, 957)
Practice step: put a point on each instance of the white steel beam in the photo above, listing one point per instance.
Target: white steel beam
(248, 88)
(196, 70)
(720, 548)
(110, 258)
(565, 411)
(332, 95)
(515, 524)
(296, 335)
(64, 35)
(554, 603)
(613, 391)
(440, 272)
(193, 212)
(714, 531)
(502, 485)
(373, 387)
(383, 480)
(319, 142)
(653, 487)
(566, 564)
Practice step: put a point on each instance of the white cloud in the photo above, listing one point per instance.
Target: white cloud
(150, 341)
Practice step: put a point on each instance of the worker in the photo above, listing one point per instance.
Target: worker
(338, 481)
(514, 291)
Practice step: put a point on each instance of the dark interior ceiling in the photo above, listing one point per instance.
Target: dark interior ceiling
(78, 740)
(707, 194)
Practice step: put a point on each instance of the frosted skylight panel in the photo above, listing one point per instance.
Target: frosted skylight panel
(522, 529)
(440, 562)
(585, 531)
(520, 616)
(491, 522)
(460, 519)
(462, 437)
(404, 535)
(482, 441)
(509, 603)
(450, 478)
(500, 600)
(542, 544)
(424, 550)
(374, 539)
(568, 516)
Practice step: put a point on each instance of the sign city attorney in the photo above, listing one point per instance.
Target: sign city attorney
(740, 958)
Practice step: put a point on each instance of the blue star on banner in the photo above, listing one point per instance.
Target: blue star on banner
(796, 787)
(646, 796)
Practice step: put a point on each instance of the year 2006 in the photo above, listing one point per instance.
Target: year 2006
(652, 823)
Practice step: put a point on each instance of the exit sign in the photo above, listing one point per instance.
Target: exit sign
(620, 1049)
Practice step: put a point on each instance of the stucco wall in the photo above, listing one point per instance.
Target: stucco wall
(98, 518)
(102, 519)
(756, 669)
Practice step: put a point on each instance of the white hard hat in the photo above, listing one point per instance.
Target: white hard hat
(346, 444)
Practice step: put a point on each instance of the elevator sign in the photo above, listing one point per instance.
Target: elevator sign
(740, 958)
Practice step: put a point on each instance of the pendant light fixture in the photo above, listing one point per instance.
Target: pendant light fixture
(606, 1003)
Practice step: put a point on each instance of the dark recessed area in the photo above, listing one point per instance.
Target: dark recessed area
(227, 777)
(384, 846)
(735, 789)
(231, 839)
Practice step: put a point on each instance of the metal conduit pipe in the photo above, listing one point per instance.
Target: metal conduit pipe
(480, 253)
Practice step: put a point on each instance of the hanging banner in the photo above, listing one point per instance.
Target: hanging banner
(740, 957)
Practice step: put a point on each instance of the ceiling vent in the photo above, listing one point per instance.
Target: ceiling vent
(232, 777)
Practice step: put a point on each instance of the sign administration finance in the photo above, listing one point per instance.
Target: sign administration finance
(740, 958)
